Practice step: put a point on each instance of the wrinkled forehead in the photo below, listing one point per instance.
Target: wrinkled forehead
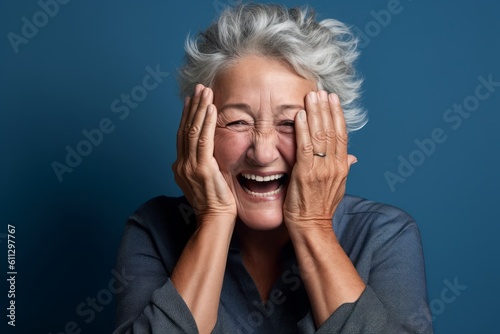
(256, 82)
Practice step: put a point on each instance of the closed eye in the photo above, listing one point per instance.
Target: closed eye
(288, 123)
(240, 122)
(287, 126)
(239, 125)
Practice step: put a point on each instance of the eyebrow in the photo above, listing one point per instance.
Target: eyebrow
(246, 108)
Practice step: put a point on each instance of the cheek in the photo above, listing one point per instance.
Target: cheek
(288, 147)
(229, 147)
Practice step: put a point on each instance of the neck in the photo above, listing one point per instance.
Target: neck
(261, 253)
(266, 244)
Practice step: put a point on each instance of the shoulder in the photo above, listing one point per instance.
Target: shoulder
(165, 214)
(366, 224)
(363, 210)
(163, 208)
(164, 223)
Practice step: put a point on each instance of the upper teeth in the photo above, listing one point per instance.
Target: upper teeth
(262, 178)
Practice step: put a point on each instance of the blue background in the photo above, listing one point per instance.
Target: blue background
(428, 57)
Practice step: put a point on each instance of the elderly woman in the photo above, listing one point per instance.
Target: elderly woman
(271, 244)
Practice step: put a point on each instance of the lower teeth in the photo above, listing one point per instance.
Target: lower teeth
(274, 192)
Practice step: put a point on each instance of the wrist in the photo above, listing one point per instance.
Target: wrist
(307, 224)
(311, 231)
(221, 221)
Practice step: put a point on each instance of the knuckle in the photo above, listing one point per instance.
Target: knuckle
(203, 141)
(306, 148)
(320, 135)
(342, 137)
(330, 134)
(181, 133)
(193, 131)
(179, 169)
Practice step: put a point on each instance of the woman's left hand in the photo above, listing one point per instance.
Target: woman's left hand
(317, 183)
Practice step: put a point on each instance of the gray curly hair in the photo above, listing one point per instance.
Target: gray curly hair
(320, 51)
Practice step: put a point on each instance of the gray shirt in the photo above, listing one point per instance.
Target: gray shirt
(382, 242)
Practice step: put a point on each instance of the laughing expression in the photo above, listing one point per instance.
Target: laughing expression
(257, 99)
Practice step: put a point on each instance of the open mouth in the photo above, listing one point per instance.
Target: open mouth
(262, 186)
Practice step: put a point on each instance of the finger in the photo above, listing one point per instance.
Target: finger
(303, 138)
(180, 130)
(327, 122)
(206, 139)
(351, 160)
(195, 101)
(339, 127)
(315, 121)
(197, 122)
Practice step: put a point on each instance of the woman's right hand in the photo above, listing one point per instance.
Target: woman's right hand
(199, 271)
(196, 170)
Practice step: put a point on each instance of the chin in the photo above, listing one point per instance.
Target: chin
(261, 220)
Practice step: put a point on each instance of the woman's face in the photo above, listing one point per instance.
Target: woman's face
(257, 99)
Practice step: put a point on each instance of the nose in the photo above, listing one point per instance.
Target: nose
(263, 150)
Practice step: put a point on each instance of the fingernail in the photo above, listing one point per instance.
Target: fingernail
(334, 98)
(198, 89)
(302, 115)
(205, 92)
(314, 98)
